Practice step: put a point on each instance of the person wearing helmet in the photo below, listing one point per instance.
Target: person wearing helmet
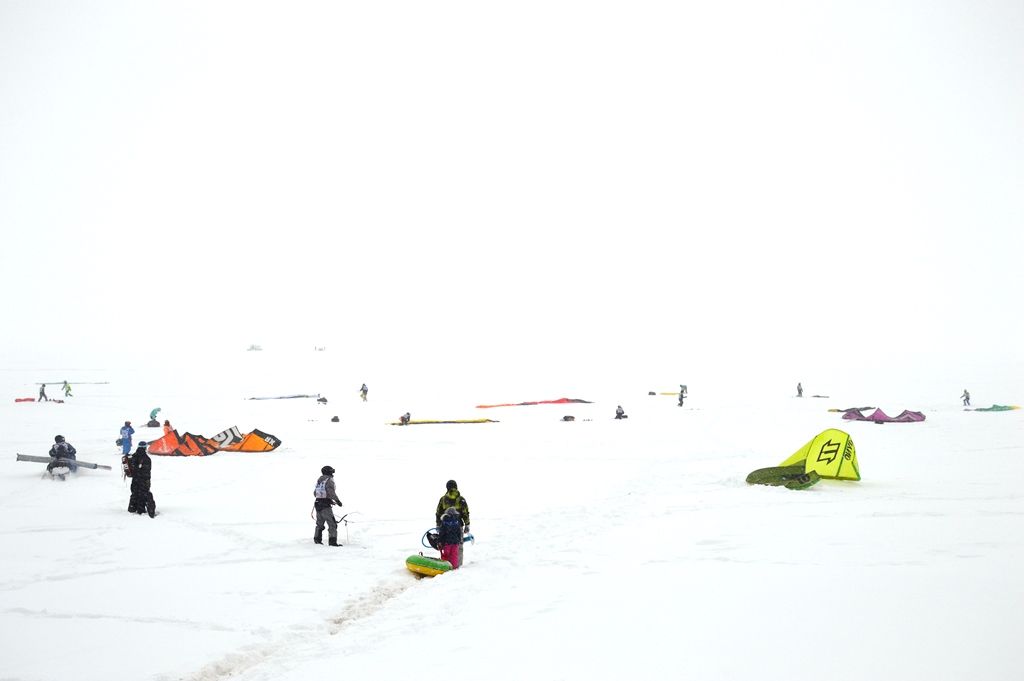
(453, 499)
(325, 496)
(141, 467)
(62, 449)
(126, 438)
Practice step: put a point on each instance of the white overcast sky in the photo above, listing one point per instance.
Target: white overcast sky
(665, 183)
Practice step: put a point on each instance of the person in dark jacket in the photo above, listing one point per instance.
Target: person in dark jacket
(966, 397)
(141, 467)
(363, 392)
(405, 418)
(42, 393)
(62, 449)
(453, 499)
(620, 413)
(450, 537)
(799, 390)
(325, 496)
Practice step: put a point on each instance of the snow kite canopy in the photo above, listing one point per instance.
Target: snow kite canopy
(994, 407)
(560, 400)
(188, 444)
(830, 454)
(232, 440)
(879, 416)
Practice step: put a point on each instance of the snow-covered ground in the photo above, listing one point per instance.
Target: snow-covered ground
(605, 549)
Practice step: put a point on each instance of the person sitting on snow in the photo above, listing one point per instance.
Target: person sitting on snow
(620, 413)
(404, 419)
(167, 427)
(62, 450)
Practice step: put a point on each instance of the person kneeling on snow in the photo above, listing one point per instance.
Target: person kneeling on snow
(449, 532)
(62, 450)
(325, 497)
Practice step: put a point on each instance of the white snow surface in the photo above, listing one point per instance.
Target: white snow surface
(605, 549)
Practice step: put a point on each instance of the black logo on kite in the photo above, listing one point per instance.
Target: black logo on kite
(828, 451)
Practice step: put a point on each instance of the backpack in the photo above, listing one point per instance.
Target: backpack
(320, 491)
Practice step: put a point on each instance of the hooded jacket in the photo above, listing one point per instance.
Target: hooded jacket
(452, 499)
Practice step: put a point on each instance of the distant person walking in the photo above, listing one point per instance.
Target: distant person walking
(799, 390)
(363, 392)
(126, 438)
(966, 397)
(42, 393)
(682, 394)
(67, 389)
(325, 496)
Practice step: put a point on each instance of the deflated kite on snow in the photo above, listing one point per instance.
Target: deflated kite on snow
(830, 454)
(879, 416)
(996, 407)
(561, 400)
(230, 440)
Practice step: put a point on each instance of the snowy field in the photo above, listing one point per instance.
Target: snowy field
(605, 549)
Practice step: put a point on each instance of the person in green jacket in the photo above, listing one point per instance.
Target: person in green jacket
(453, 499)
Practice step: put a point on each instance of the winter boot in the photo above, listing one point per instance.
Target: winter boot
(318, 541)
(333, 541)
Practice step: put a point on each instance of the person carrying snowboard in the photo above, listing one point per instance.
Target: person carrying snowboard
(140, 468)
(453, 499)
(62, 450)
(126, 438)
(325, 496)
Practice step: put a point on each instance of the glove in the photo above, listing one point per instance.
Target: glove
(338, 503)
(465, 530)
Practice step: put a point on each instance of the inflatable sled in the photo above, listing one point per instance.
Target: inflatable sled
(427, 566)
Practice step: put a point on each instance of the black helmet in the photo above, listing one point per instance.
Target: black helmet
(143, 444)
(58, 438)
(451, 484)
(327, 470)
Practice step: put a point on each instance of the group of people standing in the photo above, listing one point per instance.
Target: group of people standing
(451, 517)
(42, 391)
